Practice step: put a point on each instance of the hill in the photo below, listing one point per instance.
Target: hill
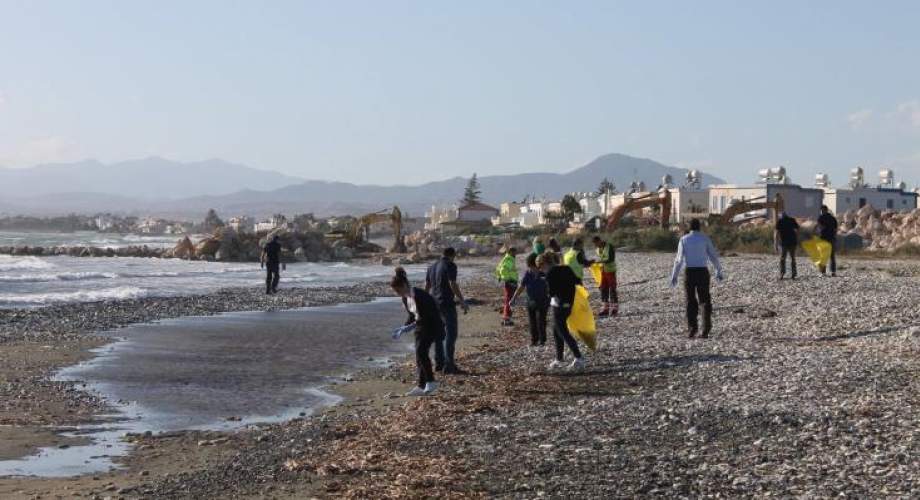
(151, 178)
(155, 186)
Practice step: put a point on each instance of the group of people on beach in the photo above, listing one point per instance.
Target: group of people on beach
(550, 284)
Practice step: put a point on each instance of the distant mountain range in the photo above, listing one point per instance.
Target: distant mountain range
(151, 178)
(156, 186)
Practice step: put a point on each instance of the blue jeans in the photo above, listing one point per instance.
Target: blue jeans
(445, 347)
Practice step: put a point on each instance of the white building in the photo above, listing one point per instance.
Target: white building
(278, 221)
(105, 222)
(440, 215)
(887, 195)
(508, 212)
(799, 201)
(241, 224)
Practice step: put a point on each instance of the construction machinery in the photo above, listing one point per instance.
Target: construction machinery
(358, 231)
(753, 205)
(661, 199)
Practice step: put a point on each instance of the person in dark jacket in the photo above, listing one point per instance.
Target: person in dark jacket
(534, 282)
(271, 261)
(787, 235)
(561, 282)
(425, 318)
(441, 283)
(827, 230)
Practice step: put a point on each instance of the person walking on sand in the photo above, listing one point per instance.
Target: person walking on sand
(507, 275)
(425, 319)
(787, 235)
(696, 250)
(561, 282)
(441, 283)
(534, 282)
(271, 262)
(575, 259)
(827, 230)
(607, 257)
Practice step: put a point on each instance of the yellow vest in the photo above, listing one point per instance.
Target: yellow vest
(571, 259)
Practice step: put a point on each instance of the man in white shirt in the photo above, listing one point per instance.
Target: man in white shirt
(696, 250)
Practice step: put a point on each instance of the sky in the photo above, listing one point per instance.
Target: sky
(395, 92)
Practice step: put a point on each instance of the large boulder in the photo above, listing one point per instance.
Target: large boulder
(207, 247)
(184, 249)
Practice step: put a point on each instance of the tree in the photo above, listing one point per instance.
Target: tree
(606, 186)
(212, 221)
(570, 207)
(472, 193)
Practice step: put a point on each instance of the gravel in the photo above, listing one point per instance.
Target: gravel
(807, 388)
(72, 321)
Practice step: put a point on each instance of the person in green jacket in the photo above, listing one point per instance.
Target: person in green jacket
(507, 275)
(538, 247)
(607, 257)
(575, 258)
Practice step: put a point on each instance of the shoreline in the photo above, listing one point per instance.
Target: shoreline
(39, 342)
(44, 340)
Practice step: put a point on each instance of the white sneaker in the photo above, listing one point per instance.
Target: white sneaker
(416, 391)
(430, 387)
(578, 364)
(556, 364)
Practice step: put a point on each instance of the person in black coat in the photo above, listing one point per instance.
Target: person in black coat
(827, 230)
(425, 317)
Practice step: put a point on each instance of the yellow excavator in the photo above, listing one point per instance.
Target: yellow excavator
(754, 204)
(357, 232)
(660, 199)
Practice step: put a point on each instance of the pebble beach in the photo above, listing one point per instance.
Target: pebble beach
(806, 388)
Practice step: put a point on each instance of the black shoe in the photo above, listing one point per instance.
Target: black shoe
(451, 370)
(692, 333)
(706, 333)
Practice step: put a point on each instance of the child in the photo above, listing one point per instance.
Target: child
(426, 318)
(534, 281)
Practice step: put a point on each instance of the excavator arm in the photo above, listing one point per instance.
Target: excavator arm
(662, 199)
(356, 232)
(745, 206)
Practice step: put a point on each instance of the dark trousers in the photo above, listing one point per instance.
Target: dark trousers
(833, 262)
(696, 284)
(561, 334)
(536, 315)
(445, 346)
(272, 277)
(509, 288)
(790, 251)
(423, 342)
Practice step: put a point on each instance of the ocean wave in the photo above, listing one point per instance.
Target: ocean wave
(155, 274)
(45, 277)
(117, 293)
(14, 263)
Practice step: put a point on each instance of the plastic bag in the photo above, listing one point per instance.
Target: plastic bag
(818, 250)
(597, 273)
(581, 320)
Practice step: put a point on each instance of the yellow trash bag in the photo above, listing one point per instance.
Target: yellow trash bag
(596, 273)
(818, 250)
(581, 321)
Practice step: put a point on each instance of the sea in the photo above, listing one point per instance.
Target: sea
(27, 281)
